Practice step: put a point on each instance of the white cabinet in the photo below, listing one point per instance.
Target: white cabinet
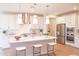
(70, 20)
(8, 21)
(77, 41)
(60, 20)
(77, 21)
(12, 21)
(3, 21)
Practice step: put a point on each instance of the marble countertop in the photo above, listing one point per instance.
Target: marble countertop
(35, 38)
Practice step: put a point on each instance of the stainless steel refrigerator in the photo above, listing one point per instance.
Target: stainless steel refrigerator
(61, 33)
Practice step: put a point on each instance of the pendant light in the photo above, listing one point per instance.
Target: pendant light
(20, 21)
(35, 20)
(47, 20)
(46, 17)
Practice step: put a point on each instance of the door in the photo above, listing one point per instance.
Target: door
(61, 33)
(51, 29)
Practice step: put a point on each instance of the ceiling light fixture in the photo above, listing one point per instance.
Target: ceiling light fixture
(75, 8)
(46, 17)
(47, 20)
(35, 21)
(20, 21)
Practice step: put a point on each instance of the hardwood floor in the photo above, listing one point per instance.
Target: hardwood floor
(61, 50)
(66, 50)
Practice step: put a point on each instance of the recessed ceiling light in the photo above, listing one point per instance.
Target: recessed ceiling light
(75, 8)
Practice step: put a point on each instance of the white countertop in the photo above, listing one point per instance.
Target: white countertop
(28, 42)
(35, 38)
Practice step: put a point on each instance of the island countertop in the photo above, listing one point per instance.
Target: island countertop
(28, 42)
(35, 38)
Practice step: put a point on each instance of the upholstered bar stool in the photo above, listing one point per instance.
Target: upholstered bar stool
(50, 48)
(19, 50)
(37, 49)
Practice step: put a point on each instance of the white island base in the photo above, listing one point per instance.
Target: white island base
(29, 42)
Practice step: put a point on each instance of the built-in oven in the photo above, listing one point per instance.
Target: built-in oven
(70, 34)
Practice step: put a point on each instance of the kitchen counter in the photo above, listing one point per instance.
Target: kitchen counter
(30, 41)
(35, 38)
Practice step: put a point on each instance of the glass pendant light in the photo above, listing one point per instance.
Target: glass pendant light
(47, 20)
(35, 21)
(20, 21)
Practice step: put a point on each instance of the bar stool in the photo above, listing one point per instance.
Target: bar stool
(19, 49)
(37, 49)
(50, 48)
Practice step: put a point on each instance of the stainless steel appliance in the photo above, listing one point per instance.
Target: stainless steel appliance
(61, 33)
(70, 34)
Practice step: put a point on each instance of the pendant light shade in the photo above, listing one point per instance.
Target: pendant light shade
(35, 21)
(20, 19)
(47, 20)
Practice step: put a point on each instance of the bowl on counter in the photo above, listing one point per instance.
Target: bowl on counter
(17, 37)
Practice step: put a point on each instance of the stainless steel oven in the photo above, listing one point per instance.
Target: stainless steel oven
(70, 34)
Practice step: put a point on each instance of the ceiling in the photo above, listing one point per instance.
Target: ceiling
(39, 8)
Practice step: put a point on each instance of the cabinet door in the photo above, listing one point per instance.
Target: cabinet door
(78, 21)
(70, 20)
(61, 20)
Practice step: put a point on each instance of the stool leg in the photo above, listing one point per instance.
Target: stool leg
(40, 51)
(53, 51)
(50, 50)
(33, 51)
(25, 52)
(47, 49)
(16, 52)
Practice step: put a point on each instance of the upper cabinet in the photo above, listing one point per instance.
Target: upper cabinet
(77, 20)
(69, 20)
(60, 20)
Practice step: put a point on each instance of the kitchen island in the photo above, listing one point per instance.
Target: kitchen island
(28, 42)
